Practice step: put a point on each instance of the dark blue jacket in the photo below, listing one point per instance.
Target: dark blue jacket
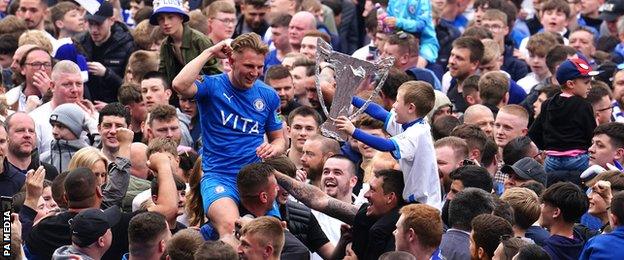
(516, 93)
(559, 247)
(515, 67)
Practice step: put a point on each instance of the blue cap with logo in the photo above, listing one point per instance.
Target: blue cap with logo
(574, 68)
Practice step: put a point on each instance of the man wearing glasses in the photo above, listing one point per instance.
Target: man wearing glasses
(36, 67)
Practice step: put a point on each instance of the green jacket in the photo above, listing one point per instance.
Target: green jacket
(193, 43)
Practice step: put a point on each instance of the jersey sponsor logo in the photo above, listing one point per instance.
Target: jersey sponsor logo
(229, 98)
(259, 104)
(219, 189)
(240, 123)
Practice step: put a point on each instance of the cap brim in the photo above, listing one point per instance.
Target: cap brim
(112, 215)
(510, 169)
(97, 18)
(608, 16)
(154, 17)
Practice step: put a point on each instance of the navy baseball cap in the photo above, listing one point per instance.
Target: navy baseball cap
(527, 168)
(574, 68)
(105, 11)
(91, 224)
(611, 10)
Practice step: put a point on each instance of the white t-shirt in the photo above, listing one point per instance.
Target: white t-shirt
(417, 159)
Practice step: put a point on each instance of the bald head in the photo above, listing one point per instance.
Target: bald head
(138, 160)
(300, 23)
(480, 116)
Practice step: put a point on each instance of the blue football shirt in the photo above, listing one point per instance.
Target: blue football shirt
(233, 122)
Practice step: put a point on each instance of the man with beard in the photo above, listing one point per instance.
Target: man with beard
(66, 87)
(315, 151)
(252, 18)
(21, 155)
(33, 13)
(372, 224)
(464, 61)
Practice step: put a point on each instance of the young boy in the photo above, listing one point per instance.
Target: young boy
(555, 17)
(411, 141)
(67, 125)
(67, 19)
(537, 47)
(182, 43)
(565, 125)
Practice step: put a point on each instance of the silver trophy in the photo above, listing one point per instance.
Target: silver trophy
(349, 75)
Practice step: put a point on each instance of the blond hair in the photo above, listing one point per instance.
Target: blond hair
(249, 41)
(491, 51)
(525, 204)
(35, 37)
(87, 157)
(420, 94)
(269, 230)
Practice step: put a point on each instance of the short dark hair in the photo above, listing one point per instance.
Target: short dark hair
(184, 244)
(489, 153)
(569, 198)
(309, 65)
(281, 20)
(304, 111)
(614, 130)
(468, 204)
(473, 44)
(114, 109)
(129, 93)
(283, 165)
(516, 149)
(473, 135)
(504, 210)
(392, 182)
(58, 189)
(394, 80)
(487, 231)
(405, 41)
(532, 252)
(252, 178)
(443, 126)
(352, 167)
(179, 183)
(8, 44)
(557, 55)
(471, 85)
(163, 113)
(535, 186)
(145, 231)
(256, 3)
(80, 187)
(597, 91)
(276, 72)
(216, 250)
(617, 206)
(557, 5)
(157, 75)
(473, 176)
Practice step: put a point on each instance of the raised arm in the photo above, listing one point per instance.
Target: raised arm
(184, 82)
(316, 199)
(373, 109)
(167, 202)
(117, 186)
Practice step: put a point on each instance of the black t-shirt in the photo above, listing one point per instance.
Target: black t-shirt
(53, 232)
(373, 236)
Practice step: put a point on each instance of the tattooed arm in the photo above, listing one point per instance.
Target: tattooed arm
(316, 199)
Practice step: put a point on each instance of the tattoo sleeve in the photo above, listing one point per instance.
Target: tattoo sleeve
(316, 199)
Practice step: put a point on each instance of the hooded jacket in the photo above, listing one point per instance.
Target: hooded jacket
(61, 152)
(68, 253)
(113, 54)
(564, 123)
(559, 247)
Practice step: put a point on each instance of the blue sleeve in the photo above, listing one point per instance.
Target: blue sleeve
(373, 109)
(379, 143)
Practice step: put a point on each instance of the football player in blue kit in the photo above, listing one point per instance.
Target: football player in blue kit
(236, 111)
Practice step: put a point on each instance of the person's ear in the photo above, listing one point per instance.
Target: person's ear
(619, 154)
(353, 181)
(155, 198)
(59, 24)
(168, 93)
(98, 192)
(268, 250)
(263, 196)
(481, 253)
(474, 154)
(411, 235)
(556, 213)
(470, 100)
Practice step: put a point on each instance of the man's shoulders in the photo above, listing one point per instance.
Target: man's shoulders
(43, 110)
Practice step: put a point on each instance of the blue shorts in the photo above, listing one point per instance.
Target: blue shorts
(214, 187)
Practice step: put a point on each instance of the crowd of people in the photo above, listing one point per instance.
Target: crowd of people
(169, 129)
